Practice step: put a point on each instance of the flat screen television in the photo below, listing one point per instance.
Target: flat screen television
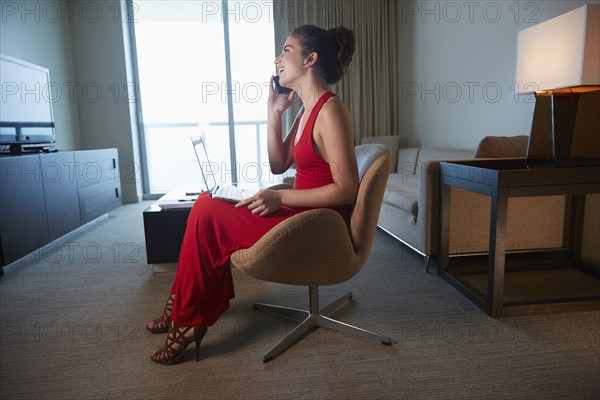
(26, 115)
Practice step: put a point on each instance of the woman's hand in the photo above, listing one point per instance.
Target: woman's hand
(263, 203)
(278, 103)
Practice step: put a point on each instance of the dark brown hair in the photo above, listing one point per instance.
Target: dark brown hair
(335, 48)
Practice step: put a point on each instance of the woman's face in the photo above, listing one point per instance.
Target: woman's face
(290, 62)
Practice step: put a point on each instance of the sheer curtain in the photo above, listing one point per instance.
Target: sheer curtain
(371, 87)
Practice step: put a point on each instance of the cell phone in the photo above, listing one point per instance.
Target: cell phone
(280, 89)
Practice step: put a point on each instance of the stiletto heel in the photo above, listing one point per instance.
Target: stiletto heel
(177, 342)
(161, 324)
(198, 349)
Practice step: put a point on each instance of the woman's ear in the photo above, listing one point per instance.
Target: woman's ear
(311, 59)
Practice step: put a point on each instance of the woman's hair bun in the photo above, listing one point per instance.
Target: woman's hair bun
(344, 40)
(335, 48)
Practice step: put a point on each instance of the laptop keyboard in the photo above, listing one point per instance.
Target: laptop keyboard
(230, 192)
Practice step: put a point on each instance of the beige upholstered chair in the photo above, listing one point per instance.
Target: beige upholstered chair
(318, 247)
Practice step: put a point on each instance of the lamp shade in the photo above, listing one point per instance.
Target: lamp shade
(561, 52)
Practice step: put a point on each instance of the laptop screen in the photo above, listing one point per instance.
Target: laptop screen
(206, 167)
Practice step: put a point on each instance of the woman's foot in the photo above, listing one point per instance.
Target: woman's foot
(178, 339)
(162, 324)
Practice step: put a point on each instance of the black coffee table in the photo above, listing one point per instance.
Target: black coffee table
(164, 225)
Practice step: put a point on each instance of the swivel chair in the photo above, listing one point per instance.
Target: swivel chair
(317, 248)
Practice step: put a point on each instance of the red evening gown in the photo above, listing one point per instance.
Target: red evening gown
(215, 229)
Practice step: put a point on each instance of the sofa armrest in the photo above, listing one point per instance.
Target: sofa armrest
(392, 142)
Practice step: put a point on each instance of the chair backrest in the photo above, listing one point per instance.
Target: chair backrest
(374, 161)
(327, 255)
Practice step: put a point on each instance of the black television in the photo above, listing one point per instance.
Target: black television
(26, 115)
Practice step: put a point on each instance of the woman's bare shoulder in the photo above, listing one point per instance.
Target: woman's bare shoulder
(334, 110)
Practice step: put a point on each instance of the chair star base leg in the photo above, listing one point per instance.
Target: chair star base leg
(314, 318)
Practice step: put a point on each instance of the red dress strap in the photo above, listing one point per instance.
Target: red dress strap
(310, 124)
(311, 170)
(308, 128)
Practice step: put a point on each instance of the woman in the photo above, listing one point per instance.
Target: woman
(321, 144)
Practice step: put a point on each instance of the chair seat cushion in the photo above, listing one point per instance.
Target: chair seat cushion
(402, 192)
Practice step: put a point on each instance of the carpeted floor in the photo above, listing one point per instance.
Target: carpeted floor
(73, 317)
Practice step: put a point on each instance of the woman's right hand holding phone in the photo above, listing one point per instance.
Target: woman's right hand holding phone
(278, 103)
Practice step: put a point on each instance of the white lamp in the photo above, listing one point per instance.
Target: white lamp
(559, 61)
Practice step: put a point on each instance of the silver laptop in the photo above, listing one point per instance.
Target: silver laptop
(229, 193)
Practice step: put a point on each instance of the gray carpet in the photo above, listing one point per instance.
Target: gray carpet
(73, 321)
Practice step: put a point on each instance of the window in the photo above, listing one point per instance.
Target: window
(203, 69)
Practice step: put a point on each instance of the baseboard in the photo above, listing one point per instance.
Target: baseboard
(164, 267)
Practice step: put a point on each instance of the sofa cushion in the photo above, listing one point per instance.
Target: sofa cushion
(392, 142)
(402, 192)
(502, 147)
(432, 154)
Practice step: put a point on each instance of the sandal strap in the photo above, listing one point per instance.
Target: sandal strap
(168, 310)
(162, 324)
(177, 337)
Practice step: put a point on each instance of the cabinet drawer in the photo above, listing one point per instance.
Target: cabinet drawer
(98, 199)
(96, 166)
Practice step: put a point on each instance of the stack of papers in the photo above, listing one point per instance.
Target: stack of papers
(179, 198)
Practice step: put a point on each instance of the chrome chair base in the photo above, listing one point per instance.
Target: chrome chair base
(313, 318)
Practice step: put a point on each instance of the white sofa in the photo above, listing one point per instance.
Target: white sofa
(410, 209)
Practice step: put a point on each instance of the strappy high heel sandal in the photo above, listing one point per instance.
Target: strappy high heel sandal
(161, 324)
(177, 342)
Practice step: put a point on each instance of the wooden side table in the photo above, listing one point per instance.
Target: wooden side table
(500, 179)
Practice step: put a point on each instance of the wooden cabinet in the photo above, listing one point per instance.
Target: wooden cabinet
(23, 219)
(60, 193)
(44, 196)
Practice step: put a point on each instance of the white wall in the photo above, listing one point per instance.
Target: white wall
(105, 96)
(458, 71)
(82, 43)
(39, 33)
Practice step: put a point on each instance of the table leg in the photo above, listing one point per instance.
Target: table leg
(444, 227)
(576, 227)
(497, 250)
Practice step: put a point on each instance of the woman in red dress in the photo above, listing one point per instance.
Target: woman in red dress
(320, 144)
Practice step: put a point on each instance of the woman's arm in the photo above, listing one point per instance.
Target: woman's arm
(334, 139)
(279, 150)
